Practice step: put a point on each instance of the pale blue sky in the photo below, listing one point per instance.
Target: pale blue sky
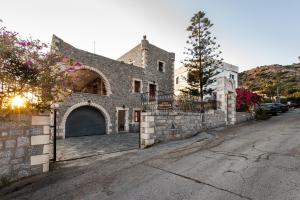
(250, 32)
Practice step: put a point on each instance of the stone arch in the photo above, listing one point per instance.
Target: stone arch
(97, 106)
(105, 80)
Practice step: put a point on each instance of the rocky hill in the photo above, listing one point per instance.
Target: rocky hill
(266, 79)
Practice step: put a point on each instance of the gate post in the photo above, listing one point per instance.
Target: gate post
(226, 95)
(147, 129)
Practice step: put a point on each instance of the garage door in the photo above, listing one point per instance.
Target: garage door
(84, 121)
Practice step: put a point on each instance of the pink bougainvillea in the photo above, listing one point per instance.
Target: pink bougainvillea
(246, 99)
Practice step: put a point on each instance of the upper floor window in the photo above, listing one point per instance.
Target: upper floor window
(161, 66)
(137, 86)
(232, 76)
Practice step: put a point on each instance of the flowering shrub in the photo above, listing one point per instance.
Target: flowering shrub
(29, 70)
(245, 99)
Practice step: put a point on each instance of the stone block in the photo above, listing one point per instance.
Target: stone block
(149, 142)
(144, 124)
(4, 161)
(20, 152)
(23, 173)
(39, 139)
(4, 134)
(39, 159)
(149, 130)
(37, 150)
(145, 136)
(36, 130)
(149, 118)
(4, 170)
(6, 153)
(45, 167)
(46, 149)
(46, 130)
(1, 145)
(16, 161)
(23, 141)
(10, 144)
(40, 120)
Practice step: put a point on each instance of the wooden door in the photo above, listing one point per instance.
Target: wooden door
(152, 92)
(121, 120)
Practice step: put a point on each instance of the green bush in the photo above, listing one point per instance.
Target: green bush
(261, 114)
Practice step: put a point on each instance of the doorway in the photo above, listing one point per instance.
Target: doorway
(121, 120)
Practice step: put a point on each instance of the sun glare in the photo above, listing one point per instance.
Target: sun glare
(18, 102)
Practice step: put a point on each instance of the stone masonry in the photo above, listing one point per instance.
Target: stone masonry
(165, 126)
(139, 63)
(24, 147)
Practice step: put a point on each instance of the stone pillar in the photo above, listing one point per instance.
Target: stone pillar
(147, 129)
(226, 96)
(40, 143)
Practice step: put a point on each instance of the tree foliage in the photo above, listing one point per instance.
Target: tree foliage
(202, 56)
(28, 70)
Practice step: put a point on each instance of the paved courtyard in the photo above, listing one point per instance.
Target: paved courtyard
(78, 147)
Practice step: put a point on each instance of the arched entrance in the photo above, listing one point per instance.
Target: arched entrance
(84, 121)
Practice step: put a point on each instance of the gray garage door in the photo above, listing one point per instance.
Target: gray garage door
(84, 121)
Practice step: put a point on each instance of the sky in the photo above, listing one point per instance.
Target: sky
(251, 32)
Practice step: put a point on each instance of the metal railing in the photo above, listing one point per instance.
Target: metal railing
(166, 102)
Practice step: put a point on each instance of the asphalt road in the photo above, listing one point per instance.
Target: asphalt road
(257, 161)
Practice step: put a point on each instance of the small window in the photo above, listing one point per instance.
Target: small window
(161, 66)
(232, 76)
(177, 80)
(137, 86)
(137, 116)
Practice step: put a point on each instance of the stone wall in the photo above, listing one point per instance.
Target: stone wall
(244, 116)
(24, 147)
(165, 126)
(119, 75)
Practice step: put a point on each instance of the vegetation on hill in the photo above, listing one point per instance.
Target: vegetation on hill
(272, 79)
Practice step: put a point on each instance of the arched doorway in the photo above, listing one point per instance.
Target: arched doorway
(85, 120)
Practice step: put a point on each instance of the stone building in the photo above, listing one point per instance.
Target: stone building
(106, 97)
(226, 70)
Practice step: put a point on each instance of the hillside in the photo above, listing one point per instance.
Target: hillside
(266, 79)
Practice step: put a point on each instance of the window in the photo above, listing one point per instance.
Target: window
(137, 116)
(137, 86)
(177, 80)
(232, 76)
(152, 92)
(161, 66)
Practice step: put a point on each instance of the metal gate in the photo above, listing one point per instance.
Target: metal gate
(85, 121)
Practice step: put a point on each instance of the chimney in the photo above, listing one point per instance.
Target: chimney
(145, 51)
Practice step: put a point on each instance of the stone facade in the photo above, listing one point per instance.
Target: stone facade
(24, 146)
(165, 126)
(140, 63)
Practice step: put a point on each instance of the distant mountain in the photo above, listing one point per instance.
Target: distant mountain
(266, 79)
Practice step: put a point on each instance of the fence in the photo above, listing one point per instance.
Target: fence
(168, 102)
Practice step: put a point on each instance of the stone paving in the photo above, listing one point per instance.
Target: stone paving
(78, 147)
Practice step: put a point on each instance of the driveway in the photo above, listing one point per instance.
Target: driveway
(85, 146)
(254, 161)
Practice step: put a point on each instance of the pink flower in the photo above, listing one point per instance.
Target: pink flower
(22, 43)
(29, 62)
(70, 69)
(77, 64)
